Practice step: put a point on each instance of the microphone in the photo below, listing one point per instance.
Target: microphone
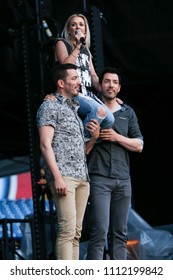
(82, 39)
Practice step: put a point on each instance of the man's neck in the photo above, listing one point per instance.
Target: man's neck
(112, 104)
(68, 96)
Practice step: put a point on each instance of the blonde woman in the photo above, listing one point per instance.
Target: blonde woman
(73, 47)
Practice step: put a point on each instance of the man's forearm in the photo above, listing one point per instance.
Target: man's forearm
(90, 144)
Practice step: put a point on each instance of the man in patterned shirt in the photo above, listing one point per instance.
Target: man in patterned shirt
(62, 145)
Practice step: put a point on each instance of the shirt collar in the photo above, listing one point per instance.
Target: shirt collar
(64, 99)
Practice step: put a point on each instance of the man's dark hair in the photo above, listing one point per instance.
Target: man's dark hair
(59, 72)
(111, 70)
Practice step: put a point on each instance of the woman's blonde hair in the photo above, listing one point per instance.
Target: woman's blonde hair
(65, 33)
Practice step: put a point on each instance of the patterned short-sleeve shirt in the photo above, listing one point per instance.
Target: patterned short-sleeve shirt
(68, 141)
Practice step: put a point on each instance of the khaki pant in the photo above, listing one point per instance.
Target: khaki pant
(70, 213)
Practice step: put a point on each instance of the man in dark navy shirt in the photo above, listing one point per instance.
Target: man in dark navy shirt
(109, 170)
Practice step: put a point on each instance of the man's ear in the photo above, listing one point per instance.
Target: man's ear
(60, 83)
(119, 88)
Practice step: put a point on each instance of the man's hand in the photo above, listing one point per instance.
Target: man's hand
(60, 187)
(119, 100)
(108, 135)
(94, 128)
(50, 96)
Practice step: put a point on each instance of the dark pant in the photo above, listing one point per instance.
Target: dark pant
(110, 201)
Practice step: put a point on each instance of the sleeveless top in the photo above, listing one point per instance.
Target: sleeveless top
(83, 63)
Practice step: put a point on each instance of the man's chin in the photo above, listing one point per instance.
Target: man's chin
(76, 93)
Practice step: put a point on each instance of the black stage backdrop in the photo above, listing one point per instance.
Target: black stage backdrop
(137, 37)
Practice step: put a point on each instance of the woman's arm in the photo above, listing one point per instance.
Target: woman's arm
(61, 53)
(94, 77)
